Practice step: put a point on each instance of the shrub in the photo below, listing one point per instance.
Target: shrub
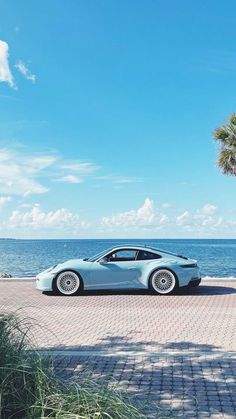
(29, 388)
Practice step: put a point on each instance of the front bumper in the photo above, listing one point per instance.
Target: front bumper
(44, 282)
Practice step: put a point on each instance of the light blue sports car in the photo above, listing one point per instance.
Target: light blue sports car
(122, 267)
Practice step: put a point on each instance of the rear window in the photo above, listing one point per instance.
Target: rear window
(143, 255)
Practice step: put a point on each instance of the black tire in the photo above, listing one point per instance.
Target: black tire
(68, 283)
(163, 282)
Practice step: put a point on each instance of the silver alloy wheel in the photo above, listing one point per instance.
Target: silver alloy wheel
(163, 281)
(68, 283)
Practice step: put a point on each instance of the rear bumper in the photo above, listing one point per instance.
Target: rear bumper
(194, 282)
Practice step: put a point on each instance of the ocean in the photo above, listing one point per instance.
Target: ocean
(216, 258)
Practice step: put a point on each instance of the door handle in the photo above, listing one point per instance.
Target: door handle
(131, 269)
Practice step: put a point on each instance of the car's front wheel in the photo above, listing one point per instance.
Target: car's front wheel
(163, 282)
(67, 283)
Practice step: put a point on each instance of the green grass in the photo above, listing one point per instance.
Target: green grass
(30, 390)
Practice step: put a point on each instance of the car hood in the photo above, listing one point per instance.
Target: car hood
(68, 264)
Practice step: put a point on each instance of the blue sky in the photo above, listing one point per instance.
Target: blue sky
(107, 111)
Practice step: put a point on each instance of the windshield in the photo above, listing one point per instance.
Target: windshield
(98, 256)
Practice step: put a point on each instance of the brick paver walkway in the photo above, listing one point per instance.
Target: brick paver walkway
(177, 351)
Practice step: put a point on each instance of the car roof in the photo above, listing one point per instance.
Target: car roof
(140, 247)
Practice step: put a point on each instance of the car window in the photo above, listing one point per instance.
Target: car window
(122, 255)
(97, 256)
(144, 255)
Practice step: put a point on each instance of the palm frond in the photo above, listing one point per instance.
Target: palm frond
(226, 135)
(232, 119)
(227, 161)
(221, 134)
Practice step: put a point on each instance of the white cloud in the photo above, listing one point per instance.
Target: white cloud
(184, 219)
(21, 67)
(70, 179)
(4, 200)
(162, 219)
(145, 217)
(208, 209)
(5, 72)
(166, 205)
(40, 162)
(220, 221)
(37, 219)
(19, 172)
(201, 216)
(120, 180)
(75, 171)
(82, 168)
(24, 174)
(201, 220)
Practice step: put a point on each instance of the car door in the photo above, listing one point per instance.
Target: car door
(117, 270)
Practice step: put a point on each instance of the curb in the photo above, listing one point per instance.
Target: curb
(19, 279)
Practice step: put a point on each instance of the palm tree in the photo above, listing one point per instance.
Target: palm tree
(226, 135)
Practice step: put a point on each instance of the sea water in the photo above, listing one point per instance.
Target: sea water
(216, 258)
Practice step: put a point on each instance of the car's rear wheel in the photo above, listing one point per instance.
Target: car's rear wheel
(163, 282)
(67, 283)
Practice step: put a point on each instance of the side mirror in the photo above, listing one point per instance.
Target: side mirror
(103, 261)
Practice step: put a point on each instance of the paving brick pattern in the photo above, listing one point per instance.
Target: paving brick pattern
(175, 355)
(175, 386)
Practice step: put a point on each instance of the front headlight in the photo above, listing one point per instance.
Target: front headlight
(51, 268)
